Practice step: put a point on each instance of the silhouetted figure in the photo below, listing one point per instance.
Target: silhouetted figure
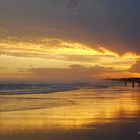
(133, 84)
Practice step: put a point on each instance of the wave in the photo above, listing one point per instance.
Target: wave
(39, 88)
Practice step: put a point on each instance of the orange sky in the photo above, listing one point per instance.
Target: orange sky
(51, 59)
(69, 40)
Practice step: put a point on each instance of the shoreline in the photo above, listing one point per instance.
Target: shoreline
(75, 114)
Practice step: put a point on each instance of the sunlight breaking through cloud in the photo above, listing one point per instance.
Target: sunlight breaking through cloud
(68, 52)
(57, 57)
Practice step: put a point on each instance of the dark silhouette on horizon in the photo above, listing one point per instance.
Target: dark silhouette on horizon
(132, 81)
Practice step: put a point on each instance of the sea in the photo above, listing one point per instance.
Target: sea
(69, 111)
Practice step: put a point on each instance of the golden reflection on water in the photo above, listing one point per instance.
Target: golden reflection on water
(66, 110)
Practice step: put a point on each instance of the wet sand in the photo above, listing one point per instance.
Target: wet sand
(86, 114)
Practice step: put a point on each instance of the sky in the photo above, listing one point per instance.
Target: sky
(69, 40)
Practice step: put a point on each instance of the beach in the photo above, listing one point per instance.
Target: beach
(69, 70)
(111, 113)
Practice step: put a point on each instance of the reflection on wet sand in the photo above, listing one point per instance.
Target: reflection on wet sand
(67, 111)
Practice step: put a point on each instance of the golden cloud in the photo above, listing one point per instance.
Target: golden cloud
(67, 52)
(136, 67)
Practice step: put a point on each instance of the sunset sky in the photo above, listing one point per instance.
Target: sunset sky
(69, 40)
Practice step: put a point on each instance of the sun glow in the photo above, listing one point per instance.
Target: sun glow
(57, 53)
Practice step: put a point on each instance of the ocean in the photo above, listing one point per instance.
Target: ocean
(69, 111)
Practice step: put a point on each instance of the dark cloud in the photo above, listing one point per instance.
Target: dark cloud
(114, 23)
(21, 70)
(3, 68)
(73, 73)
(72, 4)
